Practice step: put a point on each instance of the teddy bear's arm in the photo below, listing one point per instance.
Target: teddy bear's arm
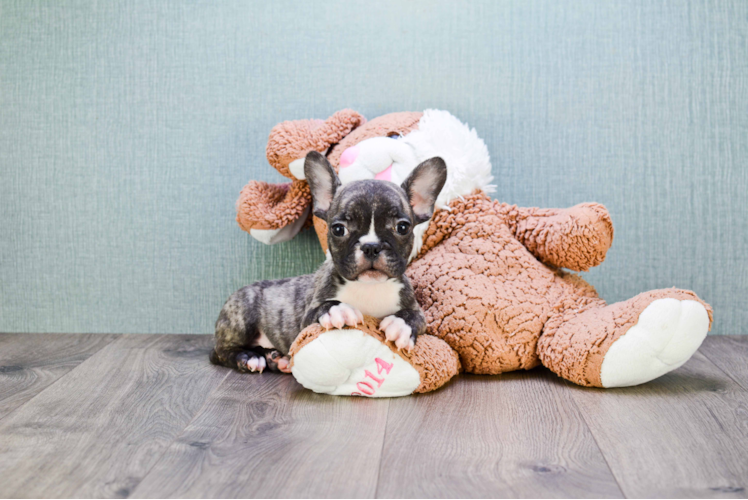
(575, 238)
(273, 213)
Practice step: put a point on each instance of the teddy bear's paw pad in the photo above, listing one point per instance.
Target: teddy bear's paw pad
(667, 334)
(350, 363)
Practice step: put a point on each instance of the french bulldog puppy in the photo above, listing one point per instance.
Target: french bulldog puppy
(370, 237)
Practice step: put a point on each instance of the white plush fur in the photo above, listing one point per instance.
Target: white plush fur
(336, 363)
(376, 155)
(296, 168)
(667, 334)
(438, 134)
(466, 155)
(468, 162)
(273, 236)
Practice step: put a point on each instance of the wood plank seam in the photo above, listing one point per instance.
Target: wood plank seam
(594, 439)
(178, 435)
(619, 470)
(381, 451)
(266, 426)
(705, 353)
(157, 376)
(516, 435)
(114, 338)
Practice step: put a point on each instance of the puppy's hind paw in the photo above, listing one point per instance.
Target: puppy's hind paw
(341, 315)
(398, 331)
(278, 362)
(284, 364)
(250, 362)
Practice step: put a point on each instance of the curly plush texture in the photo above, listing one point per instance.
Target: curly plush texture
(492, 278)
(388, 125)
(320, 227)
(482, 283)
(262, 205)
(292, 140)
(392, 124)
(433, 359)
(271, 206)
(575, 341)
(575, 238)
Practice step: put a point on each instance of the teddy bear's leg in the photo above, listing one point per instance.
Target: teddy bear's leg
(360, 362)
(627, 343)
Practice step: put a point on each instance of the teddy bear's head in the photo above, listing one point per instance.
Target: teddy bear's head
(388, 148)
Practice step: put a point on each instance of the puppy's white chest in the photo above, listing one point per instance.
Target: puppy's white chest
(372, 299)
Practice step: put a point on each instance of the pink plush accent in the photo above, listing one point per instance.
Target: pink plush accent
(292, 140)
(349, 156)
(383, 126)
(490, 277)
(385, 175)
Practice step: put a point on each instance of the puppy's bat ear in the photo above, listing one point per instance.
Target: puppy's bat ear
(323, 182)
(423, 186)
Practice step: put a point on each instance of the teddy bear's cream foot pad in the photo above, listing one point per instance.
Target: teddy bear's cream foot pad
(667, 334)
(351, 363)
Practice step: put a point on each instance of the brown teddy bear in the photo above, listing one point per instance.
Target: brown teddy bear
(489, 276)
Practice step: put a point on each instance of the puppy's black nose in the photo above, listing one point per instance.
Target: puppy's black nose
(371, 250)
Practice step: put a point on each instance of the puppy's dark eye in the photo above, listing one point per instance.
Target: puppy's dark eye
(339, 230)
(402, 227)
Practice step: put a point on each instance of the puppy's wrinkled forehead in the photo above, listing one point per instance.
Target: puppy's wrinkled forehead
(364, 199)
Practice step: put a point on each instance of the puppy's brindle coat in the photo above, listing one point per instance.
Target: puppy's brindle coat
(370, 237)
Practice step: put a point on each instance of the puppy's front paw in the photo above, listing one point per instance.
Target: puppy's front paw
(397, 330)
(340, 315)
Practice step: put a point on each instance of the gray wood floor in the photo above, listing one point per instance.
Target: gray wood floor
(146, 416)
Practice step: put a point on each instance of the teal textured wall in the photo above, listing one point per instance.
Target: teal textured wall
(127, 130)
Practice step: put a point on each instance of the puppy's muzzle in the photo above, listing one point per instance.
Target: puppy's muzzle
(371, 250)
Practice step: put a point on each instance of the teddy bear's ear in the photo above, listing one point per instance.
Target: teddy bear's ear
(290, 141)
(272, 213)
